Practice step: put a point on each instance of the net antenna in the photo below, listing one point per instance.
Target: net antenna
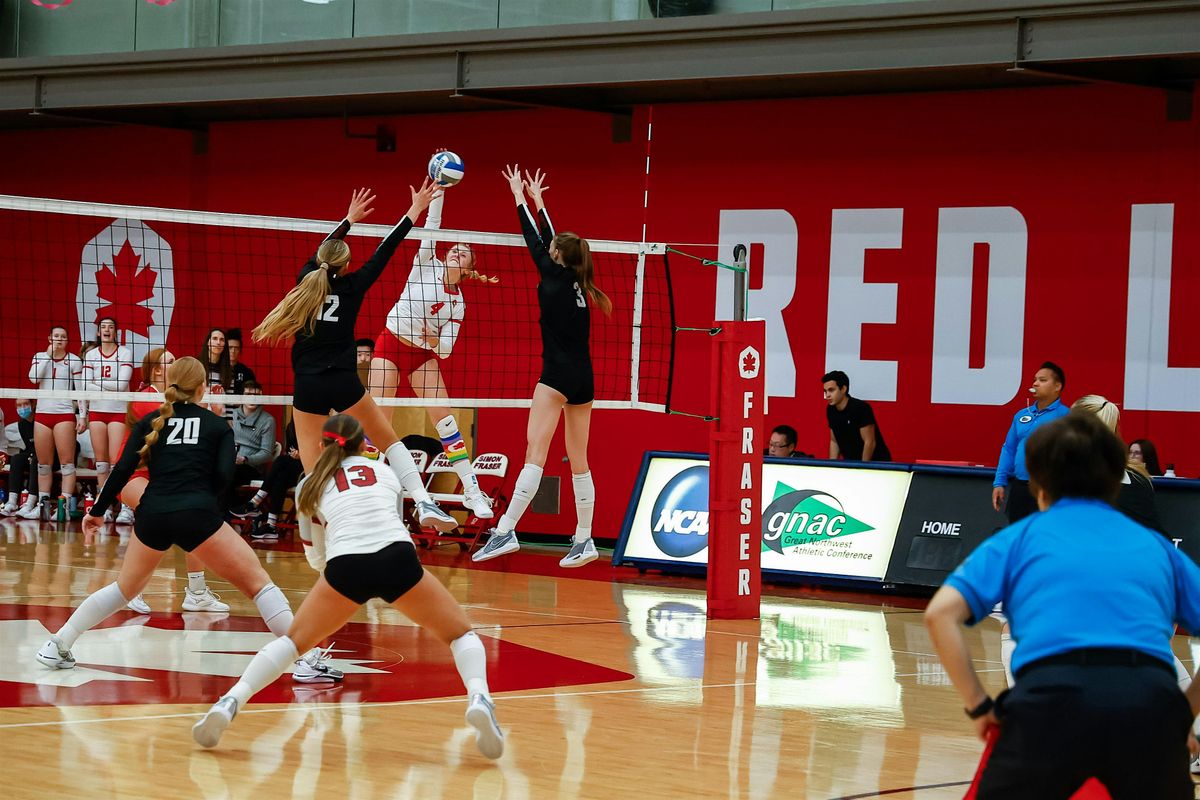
(226, 270)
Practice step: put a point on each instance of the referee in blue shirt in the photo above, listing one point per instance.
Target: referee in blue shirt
(1092, 598)
(1011, 476)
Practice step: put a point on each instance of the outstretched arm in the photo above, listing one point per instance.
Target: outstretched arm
(421, 198)
(535, 186)
(529, 228)
(360, 208)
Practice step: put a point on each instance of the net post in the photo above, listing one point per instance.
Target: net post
(635, 362)
(734, 580)
(740, 283)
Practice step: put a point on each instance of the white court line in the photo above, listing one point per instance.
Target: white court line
(309, 707)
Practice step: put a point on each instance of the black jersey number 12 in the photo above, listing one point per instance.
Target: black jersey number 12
(329, 313)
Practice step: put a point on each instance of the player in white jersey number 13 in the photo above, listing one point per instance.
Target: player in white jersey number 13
(353, 535)
(421, 329)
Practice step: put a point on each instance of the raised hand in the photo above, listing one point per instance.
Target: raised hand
(535, 185)
(421, 198)
(360, 205)
(512, 174)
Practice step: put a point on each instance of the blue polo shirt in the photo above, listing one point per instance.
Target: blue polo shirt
(1012, 454)
(1082, 574)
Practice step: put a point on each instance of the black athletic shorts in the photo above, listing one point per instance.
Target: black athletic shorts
(388, 573)
(574, 383)
(188, 529)
(316, 393)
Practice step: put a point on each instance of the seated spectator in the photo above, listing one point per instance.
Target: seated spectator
(853, 433)
(18, 441)
(284, 475)
(782, 443)
(1143, 451)
(253, 438)
(240, 374)
(365, 351)
(214, 356)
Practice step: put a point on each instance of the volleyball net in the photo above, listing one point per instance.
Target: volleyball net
(171, 277)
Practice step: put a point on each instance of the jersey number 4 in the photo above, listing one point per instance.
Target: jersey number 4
(183, 431)
(329, 312)
(363, 476)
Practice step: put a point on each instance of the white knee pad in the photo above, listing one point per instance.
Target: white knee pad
(102, 468)
(44, 469)
(274, 608)
(68, 469)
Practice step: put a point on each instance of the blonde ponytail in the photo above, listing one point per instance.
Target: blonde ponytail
(341, 437)
(299, 308)
(185, 377)
(479, 276)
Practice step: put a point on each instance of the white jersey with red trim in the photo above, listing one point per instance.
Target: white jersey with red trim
(64, 374)
(427, 306)
(360, 508)
(111, 373)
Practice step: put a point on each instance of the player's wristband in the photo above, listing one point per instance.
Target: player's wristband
(980, 710)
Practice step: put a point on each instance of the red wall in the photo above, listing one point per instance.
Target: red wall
(1072, 161)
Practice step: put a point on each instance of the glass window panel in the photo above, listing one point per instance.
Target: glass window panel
(184, 23)
(383, 17)
(105, 27)
(275, 21)
(522, 13)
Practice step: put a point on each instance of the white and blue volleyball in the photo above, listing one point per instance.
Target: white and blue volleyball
(446, 168)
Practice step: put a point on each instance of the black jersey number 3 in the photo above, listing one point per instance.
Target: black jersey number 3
(579, 301)
(183, 431)
(329, 313)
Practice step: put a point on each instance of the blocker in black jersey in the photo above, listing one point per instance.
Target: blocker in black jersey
(190, 465)
(325, 360)
(565, 318)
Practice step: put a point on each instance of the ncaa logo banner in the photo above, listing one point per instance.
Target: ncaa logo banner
(820, 520)
(127, 272)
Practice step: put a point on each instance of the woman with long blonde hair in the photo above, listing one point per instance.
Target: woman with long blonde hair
(565, 388)
(189, 453)
(353, 535)
(319, 314)
(1136, 500)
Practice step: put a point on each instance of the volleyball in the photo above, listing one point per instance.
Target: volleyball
(446, 168)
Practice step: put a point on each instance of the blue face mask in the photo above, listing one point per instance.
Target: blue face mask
(25, 412)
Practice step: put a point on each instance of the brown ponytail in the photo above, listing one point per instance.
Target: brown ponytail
(185, 377)
(341, 437)
(576, 253)
(298, 309)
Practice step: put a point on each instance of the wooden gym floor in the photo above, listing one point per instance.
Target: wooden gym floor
(608, 684)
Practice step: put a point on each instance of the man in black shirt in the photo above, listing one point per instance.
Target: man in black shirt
(853, 433)
(240, 374)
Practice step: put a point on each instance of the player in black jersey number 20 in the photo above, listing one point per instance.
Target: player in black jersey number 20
(189, 453)
(564, 263)
(320, 312)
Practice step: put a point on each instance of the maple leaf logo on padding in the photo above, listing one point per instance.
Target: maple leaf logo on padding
(748, 363)
(125, 287)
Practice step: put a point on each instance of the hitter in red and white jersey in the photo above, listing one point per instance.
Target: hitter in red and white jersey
(421, 329)
(107, 367)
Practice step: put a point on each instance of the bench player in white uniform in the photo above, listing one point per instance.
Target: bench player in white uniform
(107, 367)
(353, 534)
(57, 421)
(421, 328)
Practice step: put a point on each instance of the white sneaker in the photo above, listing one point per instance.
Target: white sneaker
(582, 552)
(139, 605)
(126, 516)
(481, 715)
(313, 667)
(9, 509)
(430, 515)
(110, 515)
(1196, 766)
(54, 655)
(208, 600)
(31, 510)
(479, 504)
(207, 732)
(498, 544)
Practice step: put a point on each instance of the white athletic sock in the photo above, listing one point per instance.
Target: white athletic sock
(196, 582)
(523, 492)
(99, 606)
(456, 451)
(400, 460)
(1007, 646)
(259, 496)
(272, 519)
(471, 660)
(585, 504)
(274, 608)
(268, 664)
